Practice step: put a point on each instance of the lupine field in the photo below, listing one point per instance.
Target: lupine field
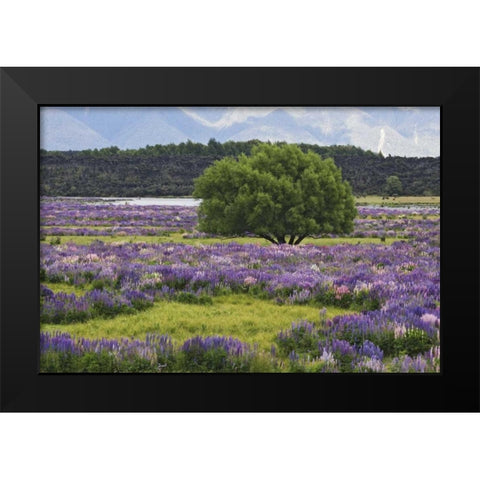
(129, 288)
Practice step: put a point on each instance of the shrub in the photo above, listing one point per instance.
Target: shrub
(191, 298)
(262, 363)
(213, 354)
(137, 365)
(61, 352)
(413, 342)
(381, 337)
(91, 362)
(325, 363)
(55, 362)
(63, 308)
(302, 337)
(98, 284)
(107, 304)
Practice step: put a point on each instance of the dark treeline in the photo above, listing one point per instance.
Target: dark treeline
(169, 170)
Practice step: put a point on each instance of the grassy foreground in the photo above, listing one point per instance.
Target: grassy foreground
(242, 316)
(178, 238)
(392, 201)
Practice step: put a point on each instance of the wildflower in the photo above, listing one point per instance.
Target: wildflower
(369, 349)
(327, 356)
(399, 330)
(430, 319)
(369, 365)
(340, 291)
(293, 357)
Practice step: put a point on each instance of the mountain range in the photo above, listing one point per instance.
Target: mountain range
(403, 131)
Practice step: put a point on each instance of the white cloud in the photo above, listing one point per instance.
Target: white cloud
(231, 116)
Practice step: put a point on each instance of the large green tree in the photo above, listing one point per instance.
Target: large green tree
(278, 193)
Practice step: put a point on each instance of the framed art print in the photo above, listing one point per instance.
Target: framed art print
(239, 239)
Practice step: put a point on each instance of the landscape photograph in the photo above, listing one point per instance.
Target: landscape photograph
(240, 240)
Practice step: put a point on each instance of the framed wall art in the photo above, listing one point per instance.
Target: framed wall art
(239, 239)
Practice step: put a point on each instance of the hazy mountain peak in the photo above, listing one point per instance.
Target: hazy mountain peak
(408, 131)
(231, 115)
(61, 131)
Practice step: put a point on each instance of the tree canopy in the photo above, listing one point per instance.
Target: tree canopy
(393, 185)
(278, 192)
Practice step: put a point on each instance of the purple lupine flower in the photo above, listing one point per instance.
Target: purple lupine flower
(341, 347)
(293, 357)
(232, 346)
(123, 349)
(369, 349)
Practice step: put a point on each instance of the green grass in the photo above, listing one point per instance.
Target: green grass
(392, 201)
(66, 288)
(177, 238)
(241, 316)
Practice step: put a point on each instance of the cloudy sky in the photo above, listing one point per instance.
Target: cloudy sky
(409, 131)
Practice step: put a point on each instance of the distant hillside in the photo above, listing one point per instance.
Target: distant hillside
(170, 170)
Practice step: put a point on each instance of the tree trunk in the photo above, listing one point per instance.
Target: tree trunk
(281, 239)
(269, 238)
(299, 239)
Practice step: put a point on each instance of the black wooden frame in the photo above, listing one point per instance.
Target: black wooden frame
(24, 90)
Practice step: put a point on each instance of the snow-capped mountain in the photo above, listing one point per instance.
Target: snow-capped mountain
(408, 131)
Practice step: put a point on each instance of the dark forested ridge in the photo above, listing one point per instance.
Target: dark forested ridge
(169, 170)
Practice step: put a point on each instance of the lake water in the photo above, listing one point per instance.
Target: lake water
(168, 201)
(406, 208)
(192, 202)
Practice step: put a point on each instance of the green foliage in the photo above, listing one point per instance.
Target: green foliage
(308, 365)
(263, 363)
(104, 310)
(190, 298)
(393, 185)
(345, 362)
(95, 363)
(362, 300)
(413, 342)
(213, 360)
(365, 301)
(278, 193)
(299, 339)
(54, 362)
(90, 362)
(137, 365)
(384, 339)
(99, 284)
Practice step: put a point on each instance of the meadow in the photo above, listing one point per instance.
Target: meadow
(129, 288)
